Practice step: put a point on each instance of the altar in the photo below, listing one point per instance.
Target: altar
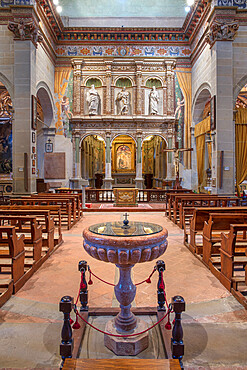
(125, 197)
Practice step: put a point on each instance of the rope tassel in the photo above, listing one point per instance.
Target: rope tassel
(168, 325)
(76, 324)
(90, 282)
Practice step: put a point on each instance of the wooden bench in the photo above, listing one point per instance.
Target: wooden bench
(197, 223)
(75, 201)
(199, 200)
(218, 223)
(230, 257)
(64, 204)
(169, 199)
(12, 260)
(186, 210)
(28, 226)
(43, 217)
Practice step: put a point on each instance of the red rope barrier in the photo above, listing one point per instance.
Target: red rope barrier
(119, 335)
(106, 282)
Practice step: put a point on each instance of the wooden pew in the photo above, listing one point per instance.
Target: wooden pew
(217, 223)
(186, 210)
(12, 260)
(28, 226)
(75, 201)
(169, 199)
(43, 215)
(64, 201)
(197, 222)
(230, 257)
(199, 200)
(64, 204)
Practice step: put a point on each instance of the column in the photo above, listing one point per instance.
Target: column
(76, 180)
(108, 179)
(108, 89)
(139, 181)
(222, 87)
(24, 181)
(77, 64)
(170, 65)
(139, 100)
(194, 176)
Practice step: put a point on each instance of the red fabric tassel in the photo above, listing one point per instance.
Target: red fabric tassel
(168, 325)
(71, 321)
(90, 282)
(173, 322)
(148, 280)
(76, 324)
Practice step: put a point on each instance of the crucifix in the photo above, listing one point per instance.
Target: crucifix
(176, 152)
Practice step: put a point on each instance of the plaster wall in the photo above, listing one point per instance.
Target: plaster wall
(6, 56)
(45, 69)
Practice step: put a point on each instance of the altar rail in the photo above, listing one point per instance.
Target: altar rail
(144, 196)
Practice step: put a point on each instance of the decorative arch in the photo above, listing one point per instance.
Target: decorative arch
(96, 81)
(124, 134)
(89, 134)
(123, 82)
(44, 94)
(153, 81)
(8, 86)
(241, 83)
(201, 96)
(160, 135)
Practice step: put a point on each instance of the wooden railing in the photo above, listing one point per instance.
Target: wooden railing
(144, 196)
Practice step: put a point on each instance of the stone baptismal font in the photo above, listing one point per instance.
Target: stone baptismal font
(125, 244)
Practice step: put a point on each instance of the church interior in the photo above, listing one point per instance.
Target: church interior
(123, 140)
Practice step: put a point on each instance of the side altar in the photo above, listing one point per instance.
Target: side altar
(125, 197)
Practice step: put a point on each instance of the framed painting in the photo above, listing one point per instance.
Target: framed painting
(49, 147)
(34, 112)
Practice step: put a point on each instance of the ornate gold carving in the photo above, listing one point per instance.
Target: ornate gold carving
(221, 31)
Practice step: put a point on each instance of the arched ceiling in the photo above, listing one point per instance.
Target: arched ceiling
(123, 8)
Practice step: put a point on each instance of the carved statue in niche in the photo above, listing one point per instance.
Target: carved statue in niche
(123, 102)
(93, 101)
(153, 101)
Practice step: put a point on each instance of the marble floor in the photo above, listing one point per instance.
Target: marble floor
(215, 324)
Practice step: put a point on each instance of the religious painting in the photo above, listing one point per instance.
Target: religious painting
(123, 158)
(34, 112)
(63, 101)
(6, 112)
(213, 113)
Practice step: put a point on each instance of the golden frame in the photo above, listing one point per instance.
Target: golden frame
(115, 147)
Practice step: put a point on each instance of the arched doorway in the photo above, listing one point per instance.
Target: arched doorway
(123, 161)
(93, 160)
(45, 130)
(154, 161)
(202, 156)
(6, 119)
